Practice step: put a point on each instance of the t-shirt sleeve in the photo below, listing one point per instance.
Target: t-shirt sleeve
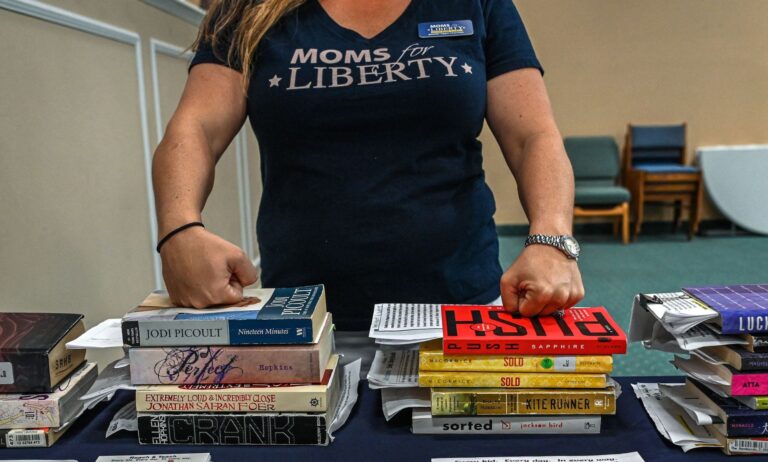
(507, 45)
(206, 53)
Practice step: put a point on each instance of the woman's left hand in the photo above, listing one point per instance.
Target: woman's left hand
(541, 281)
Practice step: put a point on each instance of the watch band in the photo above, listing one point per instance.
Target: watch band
(553, 241)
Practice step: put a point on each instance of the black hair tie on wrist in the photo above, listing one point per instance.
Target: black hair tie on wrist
(177, 231)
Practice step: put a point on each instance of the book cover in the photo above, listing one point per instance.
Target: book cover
(423, 422)
(742, 308)
(753, 402)
(738, 419)
(44, 410)
(33, 356)
(241, 398)
(496, 401)
(218, 365)
(234, 429)
(740, 446)
(510, 380)
(265, 316)
(491, 330)
(31, 438)
(739, 357)
(756, 343)
(432, 358)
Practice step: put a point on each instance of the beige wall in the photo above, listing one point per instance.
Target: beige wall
(610, 62)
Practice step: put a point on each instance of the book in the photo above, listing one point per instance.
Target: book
(741, 308)
(737, 419)
(753, 402)
(44, 410)
(756, 343)
(31, 438)
(448, 379)
(423, 422)
(499, 401)
(432, 358)
(33, 356)
(740, 446)
(492, 330)
(734, 382)
(264, 316)
(738, 357)
(241, 398)
(218, 365)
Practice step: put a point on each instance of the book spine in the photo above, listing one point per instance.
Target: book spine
(753, 425)
(754, 364)
(744, 322)
(595, 346)
(505, 380)
(25, 438)
(759, 342)
(211, 332)
(437, 361)
(34, 411)
(745, 446)
(749, 384)
(232, 429)
(521, 402)
(528, 425)
(213, 365)
(215, 401)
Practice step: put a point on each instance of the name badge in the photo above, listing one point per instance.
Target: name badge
(446, 29)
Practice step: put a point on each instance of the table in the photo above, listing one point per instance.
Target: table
(367, 437)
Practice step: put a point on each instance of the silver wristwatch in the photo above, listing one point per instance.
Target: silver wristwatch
(567, 244)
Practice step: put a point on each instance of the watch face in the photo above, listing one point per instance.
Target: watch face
(571, 246)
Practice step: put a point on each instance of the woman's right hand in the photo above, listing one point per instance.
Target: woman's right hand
(201, 269)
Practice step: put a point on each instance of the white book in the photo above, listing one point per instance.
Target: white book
(423, 422)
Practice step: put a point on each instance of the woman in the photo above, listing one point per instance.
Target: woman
(367, 114)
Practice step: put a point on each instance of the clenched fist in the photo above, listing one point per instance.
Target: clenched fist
(541, 281)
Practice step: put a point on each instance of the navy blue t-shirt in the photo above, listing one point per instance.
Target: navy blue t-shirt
(372, 171)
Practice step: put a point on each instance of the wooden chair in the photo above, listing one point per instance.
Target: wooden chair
(595, 161)
(655, 171)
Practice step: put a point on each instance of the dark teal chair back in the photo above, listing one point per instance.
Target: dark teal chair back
(657, 144)
(595, 159)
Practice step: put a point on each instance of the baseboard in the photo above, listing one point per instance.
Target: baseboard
(714, 227)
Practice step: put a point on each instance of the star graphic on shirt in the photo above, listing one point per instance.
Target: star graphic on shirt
(467, 68)
(275, 81)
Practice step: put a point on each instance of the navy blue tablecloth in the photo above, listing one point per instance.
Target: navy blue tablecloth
(367, 437)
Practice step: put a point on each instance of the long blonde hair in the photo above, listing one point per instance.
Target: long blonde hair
(239, 25)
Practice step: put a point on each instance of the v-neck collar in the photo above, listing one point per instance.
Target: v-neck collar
(354, 35)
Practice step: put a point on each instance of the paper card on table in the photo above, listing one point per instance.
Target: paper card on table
(626, 457)
(194, 457)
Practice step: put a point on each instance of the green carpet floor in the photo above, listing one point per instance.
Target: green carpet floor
(614, 273)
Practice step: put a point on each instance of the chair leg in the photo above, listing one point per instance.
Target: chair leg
(678, 212)
(695, 213)
(616, 225)
(625, 223)
(639, 216)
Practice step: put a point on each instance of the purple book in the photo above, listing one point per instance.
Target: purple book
(743, 308)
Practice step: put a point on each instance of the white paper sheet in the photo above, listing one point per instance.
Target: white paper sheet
(405, 323)
(106, 334)
(626, 457)
(348, 397)
(111, 379)
(700, 370)
(692, 405)
(394, 369)
(124, 419)
(394, 400)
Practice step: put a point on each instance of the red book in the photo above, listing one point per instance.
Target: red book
(489, 330)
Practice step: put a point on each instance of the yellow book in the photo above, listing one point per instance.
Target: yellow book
(511, 380)
(431, 358)
(536, 401)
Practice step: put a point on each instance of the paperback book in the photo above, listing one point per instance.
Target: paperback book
(423, 422)
(738, 357)
(492, 330)
(497, 401)
(44, 410)
(241, 398)
(510, 380)
(740, 446)
(734, 382)
(741, 308)
(756, 343)
(31, 438)
(432, 358)
(33, 356)
(219, 365)
(737, 419)
(265, 316)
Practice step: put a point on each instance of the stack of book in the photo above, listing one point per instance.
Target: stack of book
(497, 372)
(260, 373)
(40, 380)
(719, 335)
